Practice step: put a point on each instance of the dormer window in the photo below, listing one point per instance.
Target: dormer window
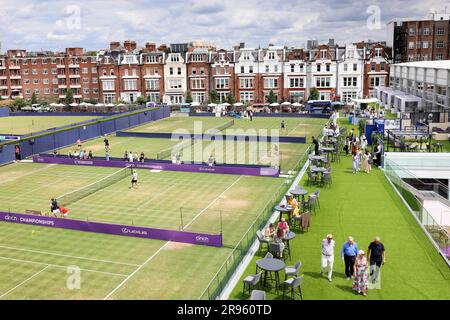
(222, 56)
(150, 59)
(197, 57)
(246, 56)
(378, 52)
(175, 58)
(271, 55)
(323, 54)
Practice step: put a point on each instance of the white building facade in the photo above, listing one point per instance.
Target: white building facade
(175, 79)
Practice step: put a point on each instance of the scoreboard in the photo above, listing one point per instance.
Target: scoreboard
(9, 138)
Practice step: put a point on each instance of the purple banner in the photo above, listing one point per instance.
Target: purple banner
(114, 229)
(220, 169)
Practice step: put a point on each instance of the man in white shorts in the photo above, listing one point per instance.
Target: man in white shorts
(134, 180)
(328, 245)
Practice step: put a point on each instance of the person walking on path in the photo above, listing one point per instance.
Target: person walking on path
(348, 254)
(367, 158)
(328, 245)
(361, 283)
(376, 254)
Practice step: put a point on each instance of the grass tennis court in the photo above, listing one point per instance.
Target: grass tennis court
(27, 124)
(35, 260)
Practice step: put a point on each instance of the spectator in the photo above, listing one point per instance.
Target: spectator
(283, 226)
(90, 155)
(376, 254)
(361, 283)
(367, 167)
(328, 245)
(348, 254)
(125, 156)
(142, 157)
(107, 155)
(316, 145)
(269, 233)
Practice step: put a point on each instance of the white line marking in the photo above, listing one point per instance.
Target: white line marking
(27, 174)
(60, 266)
(164, 245)
(214, 201)
(23, 282)
(135, 271)
(68, 256)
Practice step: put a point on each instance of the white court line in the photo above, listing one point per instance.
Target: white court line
(60, 266)
(23, 282)
(27, 174)
(214, 201)
(68, 256)
(163, 246)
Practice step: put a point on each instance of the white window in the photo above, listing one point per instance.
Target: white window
(350, 82)
(155, 71)
(197, 57)
(85, 80)
(426, 31)
(271, 55)
(439, 44)
(94, 80)
(318, 68)
(85, 70)
(347, 96)
(270, 83)
(246, 56)
(108, 84)
(33, 61)
(322, 82)
(411, 45)
(222, 83)
(152, 84)
(292, 67)
(46, 81)
(53, 60)
(153, 96)
(37, 91)
(418, 44)
(345, 67)
(198, 97)
(267, 69)
(246, 96)
(175, 84)
(86, 90)
(27, 81)
(34, 71)
(297, 82)
(275, 68)
(246, 83)
(323, 54)
(250, 69)
(378, 52)
(54, 71)
(176, 99)
(55, 90)
(223, 95)
(425, 45)
(355, 67)
(44, 71)
(35, 81)
(95, 90)
(175, 58)
(27, 91)
(55, 81)
(130, 84)
(26, 72)
(130, 59)
(150, 59)
(94, 70)
(109, 98)
(198, 83)
(440, 31)
(222, 56)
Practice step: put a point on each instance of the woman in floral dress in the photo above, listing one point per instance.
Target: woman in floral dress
(361, 283)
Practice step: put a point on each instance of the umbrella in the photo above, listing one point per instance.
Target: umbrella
(87, 104)
(110, 105)
(99, 105)
(297, 104)
(74, 104)
(238, 104)
(286, 103)
(121, 105)
(54, 104)
(212, 105)
(83, 104)
(275, 104)
(226, 104)
(195, 104)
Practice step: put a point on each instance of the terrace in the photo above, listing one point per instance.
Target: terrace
(364, 206)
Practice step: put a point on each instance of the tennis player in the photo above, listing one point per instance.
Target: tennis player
(134, 179)
(106, 141)
(64, 212)
(79, 143)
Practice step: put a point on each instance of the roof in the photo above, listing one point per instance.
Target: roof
(439, 64)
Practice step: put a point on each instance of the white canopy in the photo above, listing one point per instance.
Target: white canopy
(238, 104)
(54, 104)
(110, 105)
(212, 105)
(74, 104)
(286, 103)
(195, 104)
(83, 104)
(370, 100)
(275, 104)
(99, 105)
(121, 105)
(226, 104)
(296, 104)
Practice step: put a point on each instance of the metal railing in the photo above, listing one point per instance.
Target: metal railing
(227, 269)
(415, 198)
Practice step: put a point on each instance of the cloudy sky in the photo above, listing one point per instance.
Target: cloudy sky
(56, 24)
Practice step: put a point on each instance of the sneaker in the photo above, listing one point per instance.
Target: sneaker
(330, 280)
(348, 278)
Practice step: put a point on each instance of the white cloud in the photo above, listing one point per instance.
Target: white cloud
(51, 24)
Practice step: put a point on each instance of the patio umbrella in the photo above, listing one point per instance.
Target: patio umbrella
(110, 105)
(297, 104)
(121, 105)
(286, 103)
(54, 104)
(226, 104)
(275, 104)
(83, 104)
(212, 105)
(87, 104)
(238, 104)
(99, 105)
(74, 104)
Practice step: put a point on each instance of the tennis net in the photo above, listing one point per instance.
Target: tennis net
(225, 125)
(85, 191)
(165, 153)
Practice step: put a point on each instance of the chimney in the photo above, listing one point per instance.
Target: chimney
(162, 47)
(114, 45)
(129, 45)
(150, 46)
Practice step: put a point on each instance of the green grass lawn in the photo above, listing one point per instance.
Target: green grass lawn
(28, 124)
(169, 125)
(34, 258)
(365, 206)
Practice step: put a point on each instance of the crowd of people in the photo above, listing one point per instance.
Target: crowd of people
(359, 149)
(277, 234)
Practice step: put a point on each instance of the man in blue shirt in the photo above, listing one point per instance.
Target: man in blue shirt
(348, 254)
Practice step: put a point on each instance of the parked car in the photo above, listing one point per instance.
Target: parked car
(36, 107)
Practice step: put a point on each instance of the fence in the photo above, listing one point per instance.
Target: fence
(59, 138)
(415, 197)
(269, 115)
(4, 112)
(225, 272)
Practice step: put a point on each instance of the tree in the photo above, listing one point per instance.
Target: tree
(34, 98)
(231, 99)
(140, 100)
(314, 94)
(271, 98)
(69, 96)
(189, 97)
(19, 103)
(214, 97)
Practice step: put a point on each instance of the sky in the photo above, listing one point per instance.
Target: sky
(56, 24)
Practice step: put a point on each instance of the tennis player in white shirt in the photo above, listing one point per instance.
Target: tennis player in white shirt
(328, 245)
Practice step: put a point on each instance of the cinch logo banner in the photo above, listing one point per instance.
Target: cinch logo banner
(202, 239)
